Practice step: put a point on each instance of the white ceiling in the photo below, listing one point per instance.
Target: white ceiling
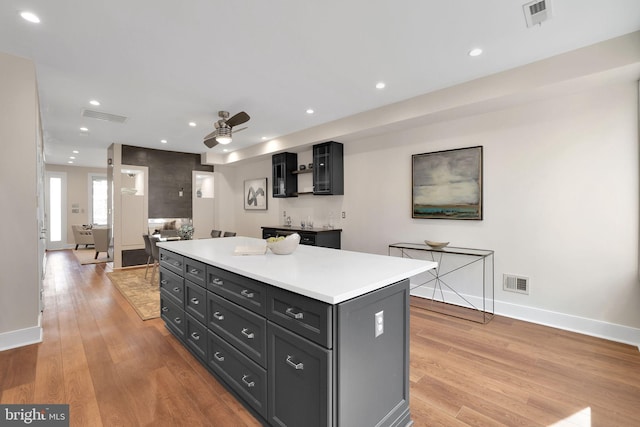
(165, 63)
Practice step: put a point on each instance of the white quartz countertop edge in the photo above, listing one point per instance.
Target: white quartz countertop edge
(329, 275)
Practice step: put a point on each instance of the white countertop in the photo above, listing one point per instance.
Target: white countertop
(329, 275)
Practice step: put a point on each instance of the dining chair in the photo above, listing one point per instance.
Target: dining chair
(155, 252)
(149, 252)
(216, 233)
(229, 234)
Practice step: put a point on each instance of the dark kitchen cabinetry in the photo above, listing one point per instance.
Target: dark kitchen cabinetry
(293, 360)
(328, 168)
(285, 183)
(326, 238)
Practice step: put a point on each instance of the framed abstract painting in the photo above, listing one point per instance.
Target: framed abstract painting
(447, 184)
(255, 194)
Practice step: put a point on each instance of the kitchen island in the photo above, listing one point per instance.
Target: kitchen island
(316, 338)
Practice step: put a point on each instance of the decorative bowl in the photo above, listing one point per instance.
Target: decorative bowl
(285, 246)
(436, 245)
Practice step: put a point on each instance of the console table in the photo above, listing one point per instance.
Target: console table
(463, 280)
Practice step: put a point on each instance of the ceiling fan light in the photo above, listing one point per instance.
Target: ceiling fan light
(223, 139)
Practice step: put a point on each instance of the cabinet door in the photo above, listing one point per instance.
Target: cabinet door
(285, 184)
(328, 168)
(299, 380)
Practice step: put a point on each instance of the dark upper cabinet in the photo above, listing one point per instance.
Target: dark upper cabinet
(328, 168)
(285, 184)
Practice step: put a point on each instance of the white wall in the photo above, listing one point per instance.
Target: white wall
(560, 203)
(19, 281)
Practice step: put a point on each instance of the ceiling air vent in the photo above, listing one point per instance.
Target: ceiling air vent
(513, 283)
(103, 116)
(536, 12)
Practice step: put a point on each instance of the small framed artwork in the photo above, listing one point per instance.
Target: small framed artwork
(447, 184)
(255, 194)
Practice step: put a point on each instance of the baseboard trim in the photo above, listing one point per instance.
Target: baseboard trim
(567, 322)
(595, 328)
(20, 338)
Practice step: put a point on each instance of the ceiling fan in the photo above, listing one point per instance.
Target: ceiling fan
(224, 128)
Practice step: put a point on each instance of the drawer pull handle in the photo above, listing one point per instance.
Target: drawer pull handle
(176, 289)
(177, 320)
(297, 366)
(248, 383)
(289, 312)
(217, 281)
(247, 334)
(163, 282)
(195, 336)
(218, 356)
(165, 309)
(195, 301)
(177, 264)
(246, 293)
(218, 315)
(194, 271)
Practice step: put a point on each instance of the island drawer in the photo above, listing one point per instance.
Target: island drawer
(195, 271)
(172, 314)
(243, 375)
(195, 301)
(196, 337)
(173, 285)
(171, 261)
(308, 317)
(244, 291)
(240, 327)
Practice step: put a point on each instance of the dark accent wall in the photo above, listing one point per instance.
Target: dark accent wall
(169, 171)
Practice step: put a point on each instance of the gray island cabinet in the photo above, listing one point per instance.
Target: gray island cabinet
(316, 338)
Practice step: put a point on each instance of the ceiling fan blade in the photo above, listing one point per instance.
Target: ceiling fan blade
(238, 119)
(211, 135)
(211, 142)
(241, 129)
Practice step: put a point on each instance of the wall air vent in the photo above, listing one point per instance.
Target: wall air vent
(513, 283)
(537, 11)
(103, 116)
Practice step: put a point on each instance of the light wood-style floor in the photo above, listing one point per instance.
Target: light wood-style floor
(117, 370)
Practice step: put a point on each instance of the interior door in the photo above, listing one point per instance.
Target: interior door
(55, 210)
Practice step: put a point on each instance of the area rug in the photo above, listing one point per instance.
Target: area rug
(87, 256)
(142, 294)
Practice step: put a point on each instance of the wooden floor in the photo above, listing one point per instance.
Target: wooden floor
(117, 370)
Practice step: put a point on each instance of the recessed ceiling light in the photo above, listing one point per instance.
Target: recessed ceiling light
(475, 52)
(310, 111)
(226, 150)
(72, 157)
(380, 85)
(70, 161)
(75, 151)
(84, 129)
(94, 102)
(264, 138)
(192, 124)
(164, 141)
(31, 17)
